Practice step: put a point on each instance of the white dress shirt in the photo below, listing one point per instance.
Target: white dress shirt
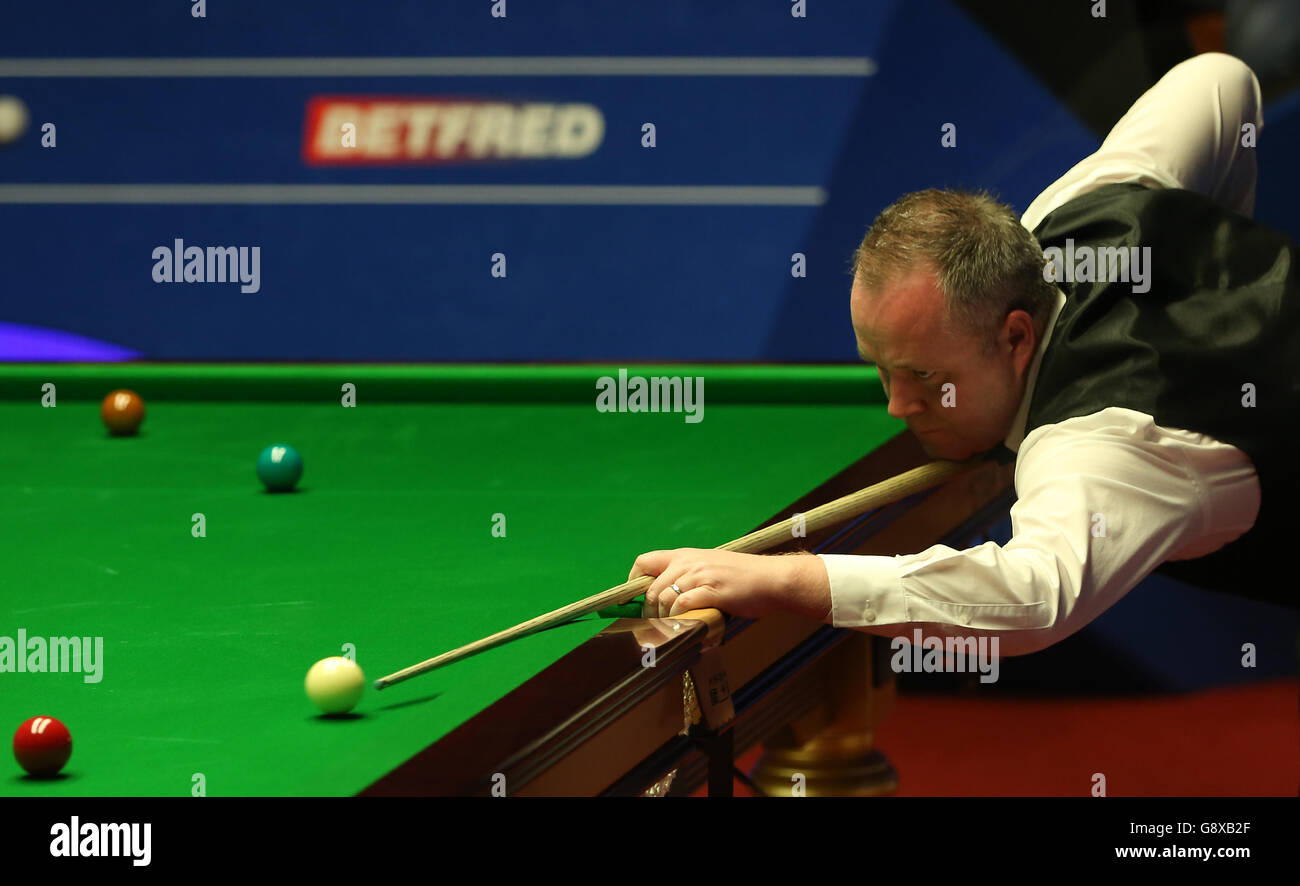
(1164, 493)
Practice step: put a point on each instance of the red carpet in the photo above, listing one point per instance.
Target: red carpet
(1241, 741)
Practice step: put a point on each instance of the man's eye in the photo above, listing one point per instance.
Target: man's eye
(922, 374)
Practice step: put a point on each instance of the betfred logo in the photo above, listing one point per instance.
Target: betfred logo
(345, 130)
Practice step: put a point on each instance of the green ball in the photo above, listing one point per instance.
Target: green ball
(279, 467)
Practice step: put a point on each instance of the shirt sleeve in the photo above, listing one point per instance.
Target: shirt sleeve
(1103, 500)
(1185, 132)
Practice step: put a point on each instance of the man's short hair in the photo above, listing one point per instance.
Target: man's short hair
(985, 262)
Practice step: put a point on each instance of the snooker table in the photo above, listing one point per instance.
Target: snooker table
(450, 502)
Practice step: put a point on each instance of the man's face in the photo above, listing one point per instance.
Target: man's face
(958, 397)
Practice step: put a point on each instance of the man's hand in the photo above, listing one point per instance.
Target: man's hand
(748, 585)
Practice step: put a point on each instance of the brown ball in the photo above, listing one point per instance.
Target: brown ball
(122, 412)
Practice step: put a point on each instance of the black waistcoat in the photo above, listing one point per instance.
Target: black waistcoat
(1222, 312)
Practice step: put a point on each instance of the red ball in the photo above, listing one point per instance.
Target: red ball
(122, 411)
(42, 745)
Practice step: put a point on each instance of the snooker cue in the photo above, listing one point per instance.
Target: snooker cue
(885, 492)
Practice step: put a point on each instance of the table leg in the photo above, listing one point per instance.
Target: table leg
(830, 750)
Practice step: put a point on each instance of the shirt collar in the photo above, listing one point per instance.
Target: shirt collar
(1017, 433)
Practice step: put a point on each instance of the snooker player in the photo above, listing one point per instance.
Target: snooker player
(1156, 408)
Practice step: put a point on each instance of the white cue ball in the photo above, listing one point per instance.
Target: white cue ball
(335, 684)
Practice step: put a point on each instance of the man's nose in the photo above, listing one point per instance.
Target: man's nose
(903, 402)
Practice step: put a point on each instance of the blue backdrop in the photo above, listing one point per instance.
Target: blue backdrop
(377, 281)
